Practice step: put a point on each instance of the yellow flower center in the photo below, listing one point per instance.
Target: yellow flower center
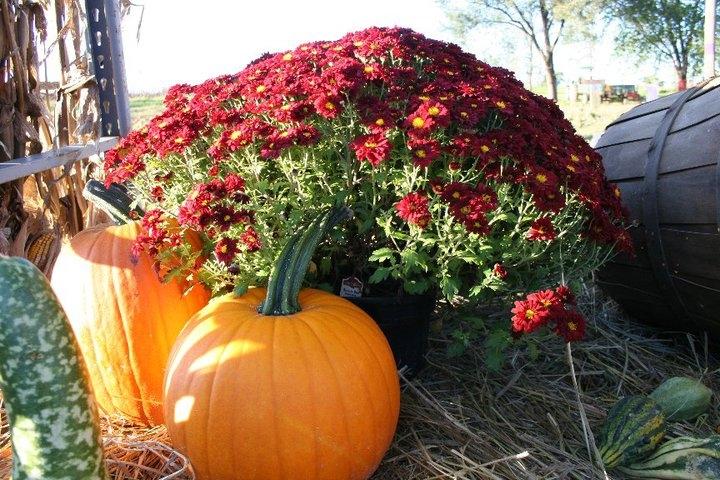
(501, 105)
(368, 69)
(179, 140)
(260, 88)
(287, 56)
(617, 192)
(433, 111)
(574, 158)
(329, 105)
(456, 195)
(571, 168)
(379, 122)
(420, 153)
(235, 135)
(226, 218)
(418, 122)
(358, 43)
(571, 326)
(463, 114)
(424, 98)
(223, 249)
(484, 148)
(541, 178)
(370, 144)
(529, 314)
(465, 210)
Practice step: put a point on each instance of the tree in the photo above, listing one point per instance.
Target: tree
(670, 29)
(541, 21)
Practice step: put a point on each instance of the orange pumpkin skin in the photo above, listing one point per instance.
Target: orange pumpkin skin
(125, 319)
(309, 396)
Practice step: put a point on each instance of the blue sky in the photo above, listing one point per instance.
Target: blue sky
(185, 41)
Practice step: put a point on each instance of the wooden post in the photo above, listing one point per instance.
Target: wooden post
(709, 51)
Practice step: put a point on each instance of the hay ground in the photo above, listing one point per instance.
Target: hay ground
(460, 422)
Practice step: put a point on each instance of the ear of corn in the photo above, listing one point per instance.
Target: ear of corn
(43, 250)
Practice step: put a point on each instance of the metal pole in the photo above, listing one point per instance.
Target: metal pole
(709, 30)
(112, 16)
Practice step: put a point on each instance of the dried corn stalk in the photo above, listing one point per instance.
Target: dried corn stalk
(42, 109)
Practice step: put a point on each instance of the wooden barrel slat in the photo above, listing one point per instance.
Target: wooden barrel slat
(644, 127)
(661, 103)
(687, 196)
(687, 149)
(705, 247)
(665, 158)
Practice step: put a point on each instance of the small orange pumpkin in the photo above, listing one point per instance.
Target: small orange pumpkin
(305, 387)
(125, 319)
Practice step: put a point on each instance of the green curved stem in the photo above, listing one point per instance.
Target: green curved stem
(113, 200)
(292, 264)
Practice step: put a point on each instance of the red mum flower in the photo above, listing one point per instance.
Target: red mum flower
(547, 298)
(413, 208)
(373, 148)
(570, 325)
(500, 271)
(327, 106)
(528, 316)
(424, 151)
(541, 229)
(225, 250)
(250, 239)
(565, 295)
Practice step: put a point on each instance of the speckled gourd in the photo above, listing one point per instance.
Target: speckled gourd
(53, 418)
(634, 427)
(682, 458)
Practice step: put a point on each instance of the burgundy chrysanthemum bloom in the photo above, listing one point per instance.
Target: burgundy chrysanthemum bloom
(413, 208)
(565, 295)
(500, 271)
(423, 150)
(250, 239)
(570, 325)
(542, 229)
(225, 250)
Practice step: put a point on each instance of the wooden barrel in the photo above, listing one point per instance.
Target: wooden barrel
(665, 157)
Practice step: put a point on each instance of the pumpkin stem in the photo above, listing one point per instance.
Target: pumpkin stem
(292, 264)
(114, 200)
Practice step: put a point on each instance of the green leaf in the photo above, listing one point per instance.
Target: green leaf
(240, 290)
(382, 254)
(379, 275)
(450, 286)
(416, 287)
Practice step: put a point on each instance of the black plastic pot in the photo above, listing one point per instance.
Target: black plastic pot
(405, 321)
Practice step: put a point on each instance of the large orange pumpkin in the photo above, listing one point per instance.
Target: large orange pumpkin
(306, 388)
(125, 319)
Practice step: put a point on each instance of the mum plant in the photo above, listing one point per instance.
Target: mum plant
(463, 184)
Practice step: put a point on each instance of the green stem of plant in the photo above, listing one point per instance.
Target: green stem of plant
(115, 201)
(292, 264)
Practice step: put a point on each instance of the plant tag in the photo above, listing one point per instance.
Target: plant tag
(351, 287)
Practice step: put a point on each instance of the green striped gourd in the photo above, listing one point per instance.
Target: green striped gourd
(53, 419)
(682, 398)
(633, 428)
(683, 458)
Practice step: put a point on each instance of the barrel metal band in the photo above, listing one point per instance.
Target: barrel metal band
(651, 216)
